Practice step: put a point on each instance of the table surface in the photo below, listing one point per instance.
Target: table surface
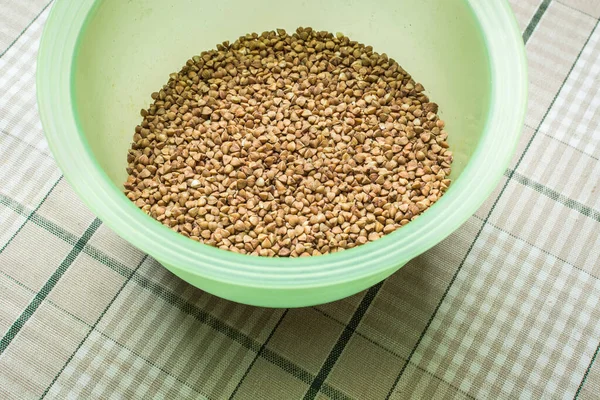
(506, 307)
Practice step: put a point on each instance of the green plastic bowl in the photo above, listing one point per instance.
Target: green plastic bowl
(100, 60)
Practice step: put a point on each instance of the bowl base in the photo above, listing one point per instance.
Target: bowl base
(281, 298)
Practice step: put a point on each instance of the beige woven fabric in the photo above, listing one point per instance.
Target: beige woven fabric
(506, 307)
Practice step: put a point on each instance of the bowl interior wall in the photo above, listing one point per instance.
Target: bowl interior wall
(128, 48)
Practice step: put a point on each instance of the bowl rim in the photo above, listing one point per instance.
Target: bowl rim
(508, 72)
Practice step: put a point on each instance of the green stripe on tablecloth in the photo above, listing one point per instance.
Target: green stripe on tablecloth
(568, 145)
(14, 205)
(110, 262)
(66, 236)
(587, 372)
(342, 342)
(25, 29)
(38, 220)
(48, 286)
(30, 214)
(290, 367)
(258, 354)
(554, 195)
(510, 177)
(546, 252)
(301, 374)
(535, 20)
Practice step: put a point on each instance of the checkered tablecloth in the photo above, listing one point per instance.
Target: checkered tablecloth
(507, 307)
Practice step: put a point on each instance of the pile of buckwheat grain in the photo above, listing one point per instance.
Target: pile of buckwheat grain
(288, 145)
